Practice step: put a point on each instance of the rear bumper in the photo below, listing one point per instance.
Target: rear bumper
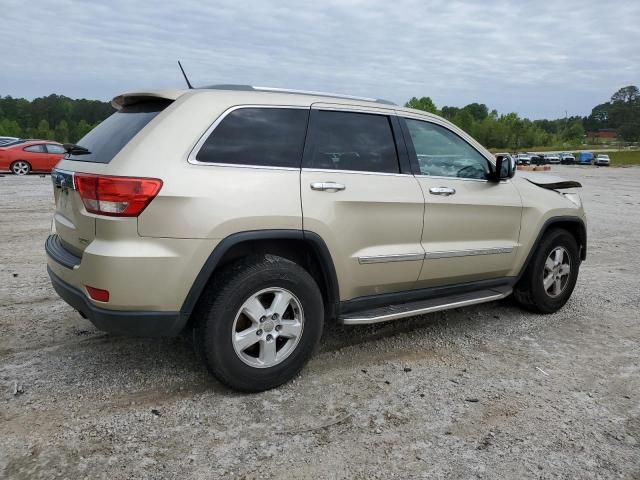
(120, 322)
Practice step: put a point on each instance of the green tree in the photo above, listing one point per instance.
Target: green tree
(43, 131)
(10, 128)
(449, 112)
(629, 94)
(62, 132)
(478, 111)
(464, 120)
(574, 132)
(81, 130)
(54, 109)
(423, 103)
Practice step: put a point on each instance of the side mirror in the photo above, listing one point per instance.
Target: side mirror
(505, 168)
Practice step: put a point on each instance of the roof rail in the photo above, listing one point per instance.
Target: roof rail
(247, 88)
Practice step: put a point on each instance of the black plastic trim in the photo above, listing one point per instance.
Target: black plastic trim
(55, 249)
(556, 185)
(328, 271)
(411, 151)
(320, 248)
(401, 145)
(582, 242)
(376, 301)
(120, 322)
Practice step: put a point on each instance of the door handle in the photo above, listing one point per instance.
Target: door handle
(446, 191)
(327, 186)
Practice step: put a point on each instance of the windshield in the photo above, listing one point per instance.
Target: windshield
(110, 136)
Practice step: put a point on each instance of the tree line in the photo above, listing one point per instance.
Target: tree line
(510, 131)
(64, 119)
(55, 117)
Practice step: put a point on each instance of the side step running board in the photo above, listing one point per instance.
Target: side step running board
(420, 307)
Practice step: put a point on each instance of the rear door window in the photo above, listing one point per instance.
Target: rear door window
(352, 141)
(111, 135)
(57, 149)
(266, 137)
(35, 149)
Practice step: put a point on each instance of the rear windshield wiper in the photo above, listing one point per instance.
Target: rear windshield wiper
(74, 149)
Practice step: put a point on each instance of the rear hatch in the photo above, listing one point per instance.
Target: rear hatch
(76, 227)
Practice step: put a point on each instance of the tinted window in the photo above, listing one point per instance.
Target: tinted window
(55, 148)
(258, 136)
(110, 136)
(353, 141)
(442, 153)
(34, 148)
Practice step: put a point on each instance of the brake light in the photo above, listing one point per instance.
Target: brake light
(98, 294)
(116, 196)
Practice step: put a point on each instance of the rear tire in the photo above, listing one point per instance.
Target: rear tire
(551, 275)
(258, 323)
(21, 167)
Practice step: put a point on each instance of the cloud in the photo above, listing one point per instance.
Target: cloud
(537, 58)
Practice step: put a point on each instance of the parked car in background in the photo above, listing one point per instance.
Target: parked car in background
(256, 230)
(537, 159)
(585, 158)
(7, 140)
(30, 156)
(602, 160)
(567, 159)
(552, 158)
(13, 142)
(523, 159)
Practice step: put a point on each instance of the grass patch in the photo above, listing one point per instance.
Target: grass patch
(631, 157)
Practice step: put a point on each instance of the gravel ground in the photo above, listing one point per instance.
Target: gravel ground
(483, 392)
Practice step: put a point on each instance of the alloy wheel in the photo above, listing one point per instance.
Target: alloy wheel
(20, 168)
(268, 327)
(557, 270)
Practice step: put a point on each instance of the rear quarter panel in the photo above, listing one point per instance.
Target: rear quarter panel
(204, 201)
(207, 201)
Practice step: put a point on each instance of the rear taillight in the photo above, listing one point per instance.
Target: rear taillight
(116, 196)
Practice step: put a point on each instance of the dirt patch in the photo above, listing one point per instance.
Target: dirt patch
(484, 392)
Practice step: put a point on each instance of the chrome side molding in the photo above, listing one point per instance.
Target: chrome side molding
(408, 257)
(467, 253)
(400, 257)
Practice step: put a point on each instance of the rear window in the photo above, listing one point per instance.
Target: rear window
(271, 137)
(35, 149)
(55, 148)
(110, 136)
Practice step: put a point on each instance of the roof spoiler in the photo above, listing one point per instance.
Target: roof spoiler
(132, 98)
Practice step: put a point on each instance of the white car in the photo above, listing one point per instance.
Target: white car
(8, 140)
(552, 158)
(602, 160)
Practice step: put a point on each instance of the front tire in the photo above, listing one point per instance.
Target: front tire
(20, 167)
(551, 275)
(259, 322)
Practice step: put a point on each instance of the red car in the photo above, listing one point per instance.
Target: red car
(31, 156)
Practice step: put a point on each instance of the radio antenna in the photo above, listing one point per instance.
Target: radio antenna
(184, 75)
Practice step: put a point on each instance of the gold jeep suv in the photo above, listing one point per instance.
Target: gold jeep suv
(253, 216)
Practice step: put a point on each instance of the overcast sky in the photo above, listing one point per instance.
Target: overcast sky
(537, 58)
